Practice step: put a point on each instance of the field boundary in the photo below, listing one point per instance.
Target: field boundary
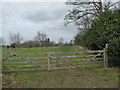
(53, 60)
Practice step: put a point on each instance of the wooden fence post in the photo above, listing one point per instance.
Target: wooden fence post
(106, 56)
(49, 66)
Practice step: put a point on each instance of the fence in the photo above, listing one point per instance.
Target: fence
(54, 60)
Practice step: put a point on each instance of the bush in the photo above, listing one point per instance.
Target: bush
(114, 52)
(103, 29)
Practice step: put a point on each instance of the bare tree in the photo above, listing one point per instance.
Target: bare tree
(83, 12)
(15, 38)
(41, 38)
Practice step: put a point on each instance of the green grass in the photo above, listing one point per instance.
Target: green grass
(97, 77)
(40, 49)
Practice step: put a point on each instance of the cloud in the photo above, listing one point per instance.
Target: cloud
(40, 16)
(29, 18)
(43, 15)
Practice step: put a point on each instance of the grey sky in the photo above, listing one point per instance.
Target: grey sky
(27, 18)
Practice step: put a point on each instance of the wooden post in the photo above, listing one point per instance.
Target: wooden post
(48, 64)
(106, 56)
(48, 61)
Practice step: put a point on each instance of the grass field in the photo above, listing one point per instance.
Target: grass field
(92, 77)
(43, 49)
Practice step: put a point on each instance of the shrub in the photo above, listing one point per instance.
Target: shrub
(103, 29)
(114, 52)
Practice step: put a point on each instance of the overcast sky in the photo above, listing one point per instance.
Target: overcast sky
(28, 18)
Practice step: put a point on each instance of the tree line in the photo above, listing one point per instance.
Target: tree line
(40, 40)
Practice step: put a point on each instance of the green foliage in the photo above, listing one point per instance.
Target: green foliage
(103, 29)
(78, 39)
(114, 52)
